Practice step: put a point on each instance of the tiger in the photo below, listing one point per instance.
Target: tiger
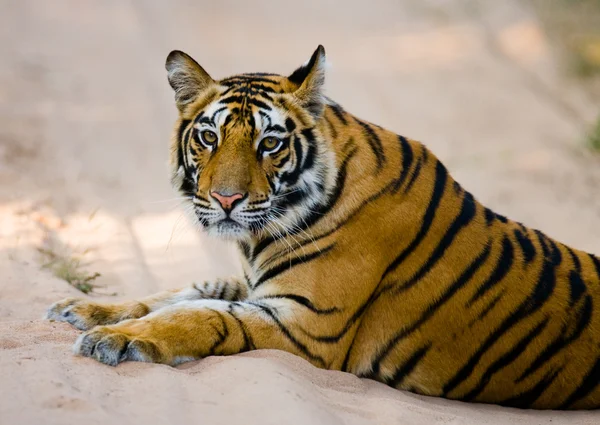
(360, 253)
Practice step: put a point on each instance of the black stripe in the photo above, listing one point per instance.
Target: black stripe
(222, 289)
(577, 287)
(222, 335)
(505, 360)
(432, 308)
(291, 177)
(526, 246)
(441, 176)
(262, 88)
(490, 305)
(245, 248)
(575, 258)
(228, 119)
(414, 176)
(232, 99)
(425, 154)
(290, 125)
(253, 75)
(501, 218)
(291, 198)
(282, 160)
(489, 216)
(331, 127)
(526, 399)
(270, 182)
(259, 103)
(242, 99)
(374, 142)
(465, 216)
(274, 127)
(203, 220)
(488, 308)
(303, 348)
(299, 152)
(339, 112)
(252, 123)
(551, 250)
(252, 90)
(502, 268)
(541, 292)
(457, 188)
(245, 79)
(212, 118)
(308, 134)
(408, 366)
(303, 301)
(407, 158)
(344, 367)
(596, 262)
(590, 381)
(236, 293)
(248, 342)
(568, 333)
(182, 127)
(205, 120)
(265, 116)
(288, 265)
(231, 89)
(310, 156)
(186, 139)
(180, 155)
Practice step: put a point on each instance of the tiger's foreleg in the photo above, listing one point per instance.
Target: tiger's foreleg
(85, 314)
(196, 329)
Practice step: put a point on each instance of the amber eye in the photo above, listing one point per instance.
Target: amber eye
(269, 144)
(208, 137)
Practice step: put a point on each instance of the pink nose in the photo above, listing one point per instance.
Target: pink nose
(226, 201)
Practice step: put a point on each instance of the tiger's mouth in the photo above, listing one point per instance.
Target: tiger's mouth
(228, 228)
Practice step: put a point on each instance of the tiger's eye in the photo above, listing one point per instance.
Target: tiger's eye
(208, 137)
(270, 143)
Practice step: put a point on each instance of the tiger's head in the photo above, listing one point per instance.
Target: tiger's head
(247, 152)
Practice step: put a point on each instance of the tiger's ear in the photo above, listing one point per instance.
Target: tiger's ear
(187, 78)
(310, 79)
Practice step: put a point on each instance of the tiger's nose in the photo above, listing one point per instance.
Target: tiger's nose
(227, 202)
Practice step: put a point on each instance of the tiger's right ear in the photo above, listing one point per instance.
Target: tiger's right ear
(187, 78)
(310, 79)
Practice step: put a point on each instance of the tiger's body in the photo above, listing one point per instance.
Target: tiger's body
(360, 253)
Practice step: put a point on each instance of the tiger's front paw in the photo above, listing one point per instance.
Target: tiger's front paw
(80, 313)
(110, 346)
(85, 314)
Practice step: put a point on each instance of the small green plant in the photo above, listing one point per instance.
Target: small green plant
(594, 137)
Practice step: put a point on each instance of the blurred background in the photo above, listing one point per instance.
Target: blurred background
(506, 93)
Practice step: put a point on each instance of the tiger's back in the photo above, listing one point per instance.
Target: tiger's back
(461, 302)
(477, 307)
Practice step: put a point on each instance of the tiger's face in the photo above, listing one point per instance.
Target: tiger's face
(247, 154)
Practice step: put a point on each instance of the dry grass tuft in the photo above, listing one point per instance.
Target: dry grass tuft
(70, 269)
(65, 262)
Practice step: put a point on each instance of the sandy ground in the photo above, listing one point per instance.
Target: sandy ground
(85, 116)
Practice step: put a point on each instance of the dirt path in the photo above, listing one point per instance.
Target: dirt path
(86, 113)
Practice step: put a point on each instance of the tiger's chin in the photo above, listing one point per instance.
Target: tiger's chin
(228, 229)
